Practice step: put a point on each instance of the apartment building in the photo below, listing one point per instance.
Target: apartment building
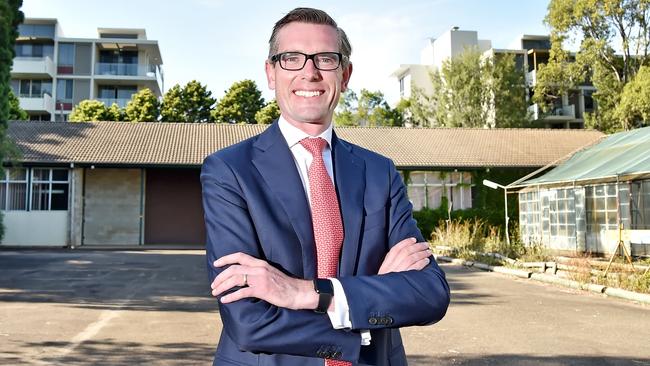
(530, 51)
(52, 73)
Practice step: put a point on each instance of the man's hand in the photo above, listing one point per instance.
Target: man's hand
(262, 281)
(406, 255)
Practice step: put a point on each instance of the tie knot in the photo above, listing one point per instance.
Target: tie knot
(314, 145)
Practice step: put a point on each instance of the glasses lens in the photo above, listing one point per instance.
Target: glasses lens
(292, 60)
(327, 60)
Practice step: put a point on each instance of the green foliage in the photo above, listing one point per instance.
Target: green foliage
(240, 103)
(507, 94)
(143, 107)
(114, 113)
(599, 27)
(89, 111)
(10, 17)
(269, 113)
(367, 109)
(172, 109)
(470, 91)
(192, 103)
(634, 108)
(15, 112)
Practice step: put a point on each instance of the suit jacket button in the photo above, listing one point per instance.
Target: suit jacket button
(390, 320)
(337, 355)
(372, 320)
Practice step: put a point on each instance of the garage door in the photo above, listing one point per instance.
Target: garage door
(173, 210)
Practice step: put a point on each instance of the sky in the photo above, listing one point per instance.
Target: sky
(219, 42)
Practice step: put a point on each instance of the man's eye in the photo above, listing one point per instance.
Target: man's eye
(291, 58)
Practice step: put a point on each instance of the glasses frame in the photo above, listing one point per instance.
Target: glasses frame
(277, 57)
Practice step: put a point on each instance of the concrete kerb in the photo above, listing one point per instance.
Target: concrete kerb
(543, 277)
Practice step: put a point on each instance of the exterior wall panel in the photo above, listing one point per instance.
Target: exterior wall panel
(112, 207)
(82, 62)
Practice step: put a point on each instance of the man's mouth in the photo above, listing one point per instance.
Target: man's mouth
(308, 93)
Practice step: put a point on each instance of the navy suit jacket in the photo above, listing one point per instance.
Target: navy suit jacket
(255, 203)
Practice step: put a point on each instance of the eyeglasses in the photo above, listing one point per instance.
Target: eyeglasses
(294, 61)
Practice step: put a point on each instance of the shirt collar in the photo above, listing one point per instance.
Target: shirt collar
(293, 134)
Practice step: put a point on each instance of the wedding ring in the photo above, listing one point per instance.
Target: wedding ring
(245, 280)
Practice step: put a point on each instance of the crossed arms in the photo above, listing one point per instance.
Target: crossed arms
(273, 314)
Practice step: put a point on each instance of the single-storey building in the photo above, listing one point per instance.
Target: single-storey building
(593, 200)
(118, 183)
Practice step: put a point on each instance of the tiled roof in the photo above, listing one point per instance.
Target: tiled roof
(122, 143)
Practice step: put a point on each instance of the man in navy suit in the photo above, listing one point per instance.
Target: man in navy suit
(262, 244)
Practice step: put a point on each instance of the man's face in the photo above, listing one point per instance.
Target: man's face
(307, 97)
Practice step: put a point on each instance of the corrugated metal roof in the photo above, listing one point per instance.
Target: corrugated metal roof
(123, 143)
(625, 154)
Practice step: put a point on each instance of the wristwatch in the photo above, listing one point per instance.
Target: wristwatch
(325, 291)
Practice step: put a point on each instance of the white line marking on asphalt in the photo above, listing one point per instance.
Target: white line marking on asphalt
(93, 328)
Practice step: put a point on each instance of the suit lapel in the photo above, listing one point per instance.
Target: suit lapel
(349, 173)
(275, 163)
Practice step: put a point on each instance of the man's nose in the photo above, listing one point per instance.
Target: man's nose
(310, 71)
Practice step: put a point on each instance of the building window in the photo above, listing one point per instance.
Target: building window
(602, 211)
(426, 189)
(13, 190)
(34, 50)
(29, 88)
(640, 205)
(49, 189)
(64, 89)
(66, 58)
(529, 217)
(562, 218)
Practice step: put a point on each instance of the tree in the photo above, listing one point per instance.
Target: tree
(368, 109)
(15, 112)
(240, 103)
(600, 28)
(507, 92)
(269, 113)
(10, 17)
(472, 91)
(192, 103)
(198, 102)
(89, 111)
(634, 109)
(143, 107)
(345, 110)
(114, 113)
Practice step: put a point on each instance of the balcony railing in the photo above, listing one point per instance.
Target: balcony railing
(557, 113)
(121, 102)
(122, 69)
(33, 66)
(42, 103)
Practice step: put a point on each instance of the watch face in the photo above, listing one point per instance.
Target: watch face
(325, 291)
(323, 286)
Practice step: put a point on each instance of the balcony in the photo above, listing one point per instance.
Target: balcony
(43, 104)
(33, 66)
(122, 69)
(558, 113)
(121, 102)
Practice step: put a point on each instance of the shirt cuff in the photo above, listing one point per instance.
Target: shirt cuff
(340, 316)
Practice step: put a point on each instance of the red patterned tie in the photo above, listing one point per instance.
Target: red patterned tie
(325, 216)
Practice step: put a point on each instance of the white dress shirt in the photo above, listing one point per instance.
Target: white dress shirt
(340, 316)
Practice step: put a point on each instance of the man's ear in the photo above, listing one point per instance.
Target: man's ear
(347, 73)
(270, 74)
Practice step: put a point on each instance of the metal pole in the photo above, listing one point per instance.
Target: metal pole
(505, 200)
